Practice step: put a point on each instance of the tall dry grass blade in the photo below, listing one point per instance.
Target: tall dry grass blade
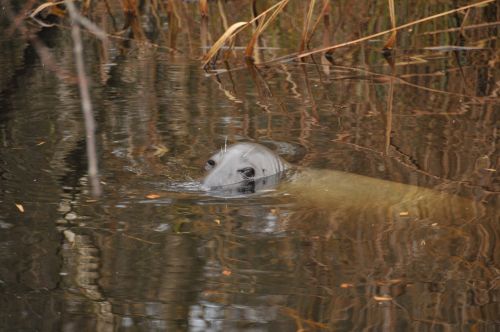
(204, 32)
(85, 6)
(325, 15)
(204, 8)
(389, 45)
(249, 54)
(327, 57)
(222, 14)
(307, 23)
(225, 24)
(255, 13)
(378, 34)
(110, 13)
(233, 29)
(467, 27)
(86, 23)
(156, 8)
(464, 20)
(249, 51)
(280, 6)
(43, 6)
(388, 119)
(129, 7)
(131, 12)
(263, 25)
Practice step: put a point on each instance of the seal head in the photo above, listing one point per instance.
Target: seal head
(243, 165)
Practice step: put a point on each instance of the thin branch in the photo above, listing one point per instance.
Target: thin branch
(85, 100)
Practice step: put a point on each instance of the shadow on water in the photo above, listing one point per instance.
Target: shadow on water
(334, 249)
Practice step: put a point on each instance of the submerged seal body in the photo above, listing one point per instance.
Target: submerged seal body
(243, 166)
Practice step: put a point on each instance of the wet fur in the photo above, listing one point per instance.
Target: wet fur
(242, 163)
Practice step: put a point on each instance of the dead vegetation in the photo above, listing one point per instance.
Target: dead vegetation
(242, 30)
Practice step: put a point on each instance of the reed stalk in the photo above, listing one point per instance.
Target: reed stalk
(378, 34)
(389, 44)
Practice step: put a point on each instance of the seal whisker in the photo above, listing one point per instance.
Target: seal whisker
(246, 153)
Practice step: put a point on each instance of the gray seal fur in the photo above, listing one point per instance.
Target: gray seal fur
(242, 163)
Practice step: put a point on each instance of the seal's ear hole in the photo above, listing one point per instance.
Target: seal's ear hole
(247, 172)
(210, 164)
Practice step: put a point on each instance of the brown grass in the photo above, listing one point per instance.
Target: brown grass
(239, 26)
(392, 39)
(379, 34)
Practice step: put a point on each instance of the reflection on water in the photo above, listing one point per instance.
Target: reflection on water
(154, 253)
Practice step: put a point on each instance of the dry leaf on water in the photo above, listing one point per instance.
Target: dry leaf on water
(346, 285)
(20, 207)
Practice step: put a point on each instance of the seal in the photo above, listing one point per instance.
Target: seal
(246, 168)
(243, 166)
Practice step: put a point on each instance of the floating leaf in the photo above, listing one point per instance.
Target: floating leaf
(382, 298)
(404, 213)
(160, 150)
(227, 273)
(153, 196)
(69, 235)
(20, 207)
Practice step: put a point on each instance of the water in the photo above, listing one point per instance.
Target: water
(155, 253)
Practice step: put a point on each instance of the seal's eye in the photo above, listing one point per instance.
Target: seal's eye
(247, 172)
(209, 165)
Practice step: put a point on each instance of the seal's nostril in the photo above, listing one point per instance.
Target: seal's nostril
(247, 172)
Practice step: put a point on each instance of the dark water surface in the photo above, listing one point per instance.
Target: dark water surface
(154, 253)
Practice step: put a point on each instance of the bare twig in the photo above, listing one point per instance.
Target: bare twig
(85, 100)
